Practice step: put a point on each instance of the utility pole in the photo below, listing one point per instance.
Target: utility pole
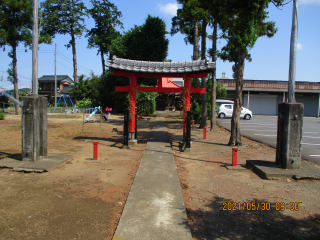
(293, 52)
(35, 48)
(55, 76)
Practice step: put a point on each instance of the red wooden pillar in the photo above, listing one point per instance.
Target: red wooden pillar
(132, 106)
(186, 107)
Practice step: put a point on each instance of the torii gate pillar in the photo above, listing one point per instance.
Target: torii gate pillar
(132, 109)
(186, 105)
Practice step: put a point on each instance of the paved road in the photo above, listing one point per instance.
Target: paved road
(264, 129)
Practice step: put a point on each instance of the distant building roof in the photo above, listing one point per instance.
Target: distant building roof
(159, 67)
(49, 78)
(224, 76)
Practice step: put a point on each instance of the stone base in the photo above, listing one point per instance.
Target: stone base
(44, 164)
(272, 170)
(133, 142)
(182, 147)
(237, 167)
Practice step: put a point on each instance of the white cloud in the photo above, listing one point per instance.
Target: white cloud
(300, 46)
(309, 1)
(169, 9)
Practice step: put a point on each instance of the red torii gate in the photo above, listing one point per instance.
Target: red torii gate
(134, 69)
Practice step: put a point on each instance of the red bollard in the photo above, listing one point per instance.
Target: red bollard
(95, 150)
(140, 116)
(204, 133)
(193, 123)
(234, 156)
(122, 129)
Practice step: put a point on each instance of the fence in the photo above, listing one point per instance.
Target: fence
(8, 107)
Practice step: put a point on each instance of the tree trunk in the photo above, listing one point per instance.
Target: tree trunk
(103, 62)
(203, 123)
(74, 52)
(235, 137)
(15, 78)
(213, 122)
(195, 41)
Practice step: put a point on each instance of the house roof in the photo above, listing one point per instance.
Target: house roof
(49, 78)
(159, 67)
(66, 90)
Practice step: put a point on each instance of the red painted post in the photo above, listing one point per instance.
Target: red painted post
(95, 150)
(187, 85)
(140, 116)
(132, 103)
(234, 156)
(122, 129)
(193, 123)
(204, 133)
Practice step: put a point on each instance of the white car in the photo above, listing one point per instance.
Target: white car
(226, 110)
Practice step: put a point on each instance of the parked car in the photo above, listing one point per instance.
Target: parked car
(226, 110)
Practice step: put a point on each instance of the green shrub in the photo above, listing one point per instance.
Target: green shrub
(84, 103)
(196, 112)
(2, 115)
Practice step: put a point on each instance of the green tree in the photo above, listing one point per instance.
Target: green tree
(196, 101)
(188, 18)
(15, 28)
(246, 22)
(106, 17)
(146, 42)
(87, 89)
(146, 102)
(84, 103)
(65, 17)
(187, 22)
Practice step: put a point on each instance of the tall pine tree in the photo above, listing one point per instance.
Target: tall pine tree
(65, 17)
(106, 17)
(15, 28)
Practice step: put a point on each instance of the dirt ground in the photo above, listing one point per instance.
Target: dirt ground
(219, 202)
(84, 198)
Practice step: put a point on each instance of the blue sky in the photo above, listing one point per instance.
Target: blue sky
(270, 55)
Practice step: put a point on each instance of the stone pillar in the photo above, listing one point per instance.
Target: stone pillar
(289, 137)
(43, 126)
(132, 109)
(30, 122)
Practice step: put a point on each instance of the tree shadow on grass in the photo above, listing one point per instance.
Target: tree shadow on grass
(221, 222)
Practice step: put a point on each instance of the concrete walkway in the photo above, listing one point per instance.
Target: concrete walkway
(155, 207)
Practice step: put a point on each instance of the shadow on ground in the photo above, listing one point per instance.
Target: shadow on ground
(250, 224)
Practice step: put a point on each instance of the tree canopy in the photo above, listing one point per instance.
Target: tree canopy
(15, 28)
(106, 17)
(244, 23)
(65, 17)
(146, 42)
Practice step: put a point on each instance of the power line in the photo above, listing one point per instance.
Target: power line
(72, 62)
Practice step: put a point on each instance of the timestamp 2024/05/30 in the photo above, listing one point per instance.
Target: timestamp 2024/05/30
(263, 206)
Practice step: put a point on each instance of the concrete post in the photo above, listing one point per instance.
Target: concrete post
(30, 129)
(289, 137)
(43, 126)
